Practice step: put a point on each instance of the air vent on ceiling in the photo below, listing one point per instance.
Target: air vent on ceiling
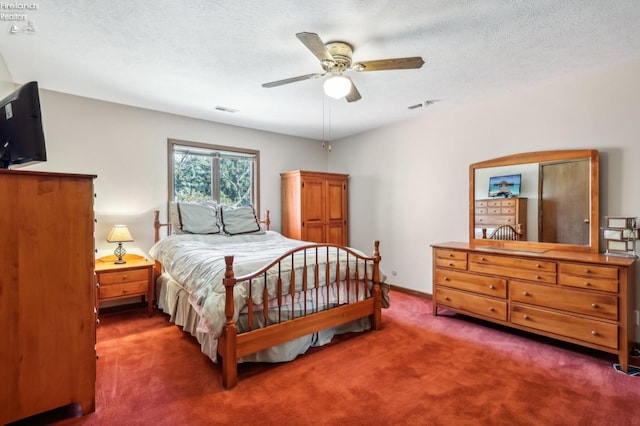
(225, 109)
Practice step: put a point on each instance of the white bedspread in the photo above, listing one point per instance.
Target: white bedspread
(197, 263)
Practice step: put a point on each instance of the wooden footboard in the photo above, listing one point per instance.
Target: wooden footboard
(361, 297)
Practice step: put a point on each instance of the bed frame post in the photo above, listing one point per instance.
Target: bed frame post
(376, 318)
(228, 340)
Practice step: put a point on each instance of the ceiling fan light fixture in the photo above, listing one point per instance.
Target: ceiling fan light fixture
(337, 86)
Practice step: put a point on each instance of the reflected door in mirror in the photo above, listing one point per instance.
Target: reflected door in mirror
(565, 202)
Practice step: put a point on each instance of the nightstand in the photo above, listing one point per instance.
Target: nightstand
(117, 281)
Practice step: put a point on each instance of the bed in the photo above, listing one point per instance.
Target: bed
(249, 294)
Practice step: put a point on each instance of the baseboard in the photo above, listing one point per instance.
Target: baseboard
(409, 291)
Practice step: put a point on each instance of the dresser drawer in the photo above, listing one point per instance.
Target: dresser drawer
(513, 267)
(587, 330)
(580, 302)
(485, 306)
(123, 290)
(450, 263)
(451, 259)
(119, 277)
(601, 284)
(490, 286)
(513, 262)
(590, 271)
(451, 254)
(494, 220)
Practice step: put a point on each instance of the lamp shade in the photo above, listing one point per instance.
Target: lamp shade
(337, 86)
(119, 234)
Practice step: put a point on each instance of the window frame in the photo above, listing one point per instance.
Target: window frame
(255, 183)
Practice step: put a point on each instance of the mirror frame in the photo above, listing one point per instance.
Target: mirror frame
(542, 157)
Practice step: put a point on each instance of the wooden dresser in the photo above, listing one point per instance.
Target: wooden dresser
(583, 298)
(314, 206)
(493, 212)
(47, 296)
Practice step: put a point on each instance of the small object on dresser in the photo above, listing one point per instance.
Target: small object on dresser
(620, 235)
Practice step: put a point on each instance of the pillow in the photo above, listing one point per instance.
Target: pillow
(239, 220)
(198, 218)
(174, 218)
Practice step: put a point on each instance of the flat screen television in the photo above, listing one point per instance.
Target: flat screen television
(21, 135)
(504, 186)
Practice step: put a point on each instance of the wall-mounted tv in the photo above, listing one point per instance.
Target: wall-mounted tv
(504, 186)
(21, 134)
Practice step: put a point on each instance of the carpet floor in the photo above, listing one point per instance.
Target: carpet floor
(418, 370)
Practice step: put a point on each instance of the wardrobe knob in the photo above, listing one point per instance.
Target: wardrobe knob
(524, 293)
(525, 316)
(594, 305)
(594, 333)
(491, 286)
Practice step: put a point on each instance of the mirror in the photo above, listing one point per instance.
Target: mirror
(549, 198)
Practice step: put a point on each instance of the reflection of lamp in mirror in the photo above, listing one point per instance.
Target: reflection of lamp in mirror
(119, 234)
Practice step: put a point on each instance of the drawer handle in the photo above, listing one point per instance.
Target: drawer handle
(538, 277)
(447, 298)
(525, 316)
(491, 286)
(587, 271)
(482, 258)
(594, 305)
(450, 254)
(124, 277)
(538, 265)
(446, 278)
(594, 333)
(450, 263)
(524, 293)
(587, 284)
(124, 291)
(491, 309)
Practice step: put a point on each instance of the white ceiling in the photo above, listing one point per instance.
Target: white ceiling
(188, 57)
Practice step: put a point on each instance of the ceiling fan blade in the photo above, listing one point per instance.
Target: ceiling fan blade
(292, 80)
(389, 64)
(315, 45)
(353, 95)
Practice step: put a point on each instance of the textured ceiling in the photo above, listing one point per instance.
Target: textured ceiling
(189, 57)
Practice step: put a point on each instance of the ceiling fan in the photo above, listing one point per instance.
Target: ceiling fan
(336, 58)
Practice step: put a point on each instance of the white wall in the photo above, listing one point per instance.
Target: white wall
(409, 182)
(126, 148)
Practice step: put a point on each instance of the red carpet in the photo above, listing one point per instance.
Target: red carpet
(417, 370)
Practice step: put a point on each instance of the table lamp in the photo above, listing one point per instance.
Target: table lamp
(119, 234)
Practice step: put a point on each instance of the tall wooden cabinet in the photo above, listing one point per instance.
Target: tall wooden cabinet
(47, 296)
(314, 206)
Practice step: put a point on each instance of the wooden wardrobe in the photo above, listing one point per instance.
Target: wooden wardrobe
(47, 295)
(314, 206)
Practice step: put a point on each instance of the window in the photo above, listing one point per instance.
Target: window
(202, 172)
